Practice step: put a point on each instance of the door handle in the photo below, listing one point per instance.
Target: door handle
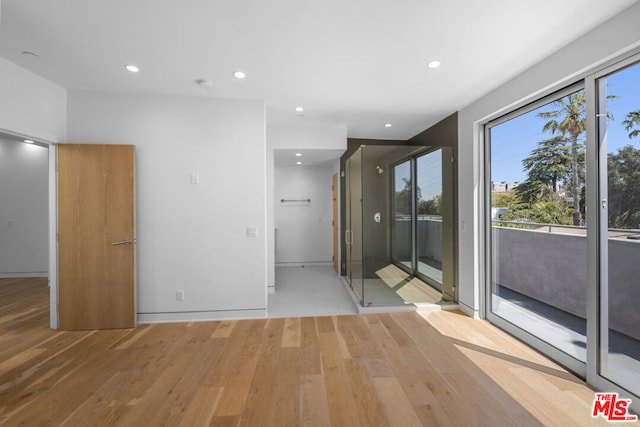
(348, 237)
(122, 242)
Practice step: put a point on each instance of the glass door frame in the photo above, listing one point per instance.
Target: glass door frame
(398, 263)
(597, 228)
(598, 285)
(536, 342)
(413, 270)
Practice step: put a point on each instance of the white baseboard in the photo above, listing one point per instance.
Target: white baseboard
(468, 310)
(14, 275)
(303, 264)
(202, 316)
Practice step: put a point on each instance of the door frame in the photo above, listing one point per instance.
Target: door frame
(53, 235)
(596, 179)
(52, 274)
(414, 269)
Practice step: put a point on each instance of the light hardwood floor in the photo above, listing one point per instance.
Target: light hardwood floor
(400, 369)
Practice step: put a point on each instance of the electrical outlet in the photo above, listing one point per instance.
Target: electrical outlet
(180, 295)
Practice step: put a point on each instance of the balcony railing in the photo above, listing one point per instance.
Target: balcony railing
(632, 234)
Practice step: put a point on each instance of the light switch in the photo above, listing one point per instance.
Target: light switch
(252, 232)
(195, 178)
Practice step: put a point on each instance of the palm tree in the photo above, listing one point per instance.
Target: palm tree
(568, 120)
(632, 120)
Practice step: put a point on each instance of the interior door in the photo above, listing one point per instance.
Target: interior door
(96, 236)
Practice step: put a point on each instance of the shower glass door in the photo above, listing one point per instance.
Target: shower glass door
(353, 233)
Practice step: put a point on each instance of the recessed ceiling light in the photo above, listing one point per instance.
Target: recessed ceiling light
(298, 154)
(28, 141)
(388, 125)
(433, 64)
(239, 75)
(298, 163)
(299, 109)
(132, 68)
(204, 83)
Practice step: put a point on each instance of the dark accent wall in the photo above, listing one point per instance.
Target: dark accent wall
(442, 134)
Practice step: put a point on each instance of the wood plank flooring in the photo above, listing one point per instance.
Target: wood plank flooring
(402, 369)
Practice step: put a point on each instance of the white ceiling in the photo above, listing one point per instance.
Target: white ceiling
(353, 63)
(316, 158)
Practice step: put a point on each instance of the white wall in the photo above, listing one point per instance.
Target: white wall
(304, 231)
(293, 137)
(31, 105)
(24, 215)
(191, 237)
(620, 34)
(34, 107)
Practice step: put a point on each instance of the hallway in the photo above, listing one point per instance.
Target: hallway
(309, 291)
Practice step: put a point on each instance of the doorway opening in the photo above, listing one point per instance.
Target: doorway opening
(27, 215)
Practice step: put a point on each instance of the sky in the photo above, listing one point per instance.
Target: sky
(514, 140)
(428, 171)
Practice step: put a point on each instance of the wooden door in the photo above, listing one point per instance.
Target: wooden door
(334, 222)
(96, 236)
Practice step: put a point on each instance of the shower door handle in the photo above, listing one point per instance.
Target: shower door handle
(348, 240)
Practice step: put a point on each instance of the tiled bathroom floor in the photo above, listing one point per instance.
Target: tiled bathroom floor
(309, 291)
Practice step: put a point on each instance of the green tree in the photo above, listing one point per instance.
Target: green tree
(550, 162)
(403, 198)
(552, 210)
(624, 188)
(430, 207)
(507, 199)
(533, 190)
(568, 120)
(632, 120)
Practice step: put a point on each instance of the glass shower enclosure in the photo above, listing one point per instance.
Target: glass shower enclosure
(388, 237)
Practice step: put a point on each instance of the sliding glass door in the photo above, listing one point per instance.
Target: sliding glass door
(403, 215)
(417, 216)
(563, 225)
(429, 216)
(538, 234)
(618, 102)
